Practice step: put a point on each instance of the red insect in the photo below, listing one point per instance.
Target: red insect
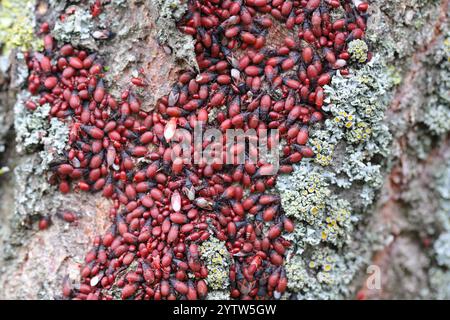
(96, 8)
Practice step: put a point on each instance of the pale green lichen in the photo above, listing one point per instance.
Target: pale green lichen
(358, 50)
(320, 215)
(31, 187)
(437, 118)
(55, 142)
(217, 259)
(219, 295)
(322, 273)
(442, 249)
(430, 203)
(33, 129)
(17, 26)
(357, 104)
(324, 263)
(439, 276)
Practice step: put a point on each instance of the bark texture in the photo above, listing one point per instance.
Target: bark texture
(389, 171)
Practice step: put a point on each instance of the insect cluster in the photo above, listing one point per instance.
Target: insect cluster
(163, 208)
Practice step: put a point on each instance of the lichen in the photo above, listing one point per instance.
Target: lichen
(358, 50)
(16, 26)
(319, 214)
(171, 11)
(439, 275)
(432, 113)
(331, 244)
(323, 273)
(442, 249)
(442, 188)
(323, 148)
(436, 113)
(31, 186)
(55, 142)
(31, 127)
(217, 260)
(299, 278)
(76, 28)
(399, 40)
(439, 283)
(356, 105)
(34, 132)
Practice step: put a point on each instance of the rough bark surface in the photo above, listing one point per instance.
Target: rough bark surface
(403, 224)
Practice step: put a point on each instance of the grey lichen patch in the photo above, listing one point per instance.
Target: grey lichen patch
(76, 28)
(319, 214)
(81, 29)
(298, 275)
(322, 146)
(437, 111)
(330, 248)
(439, 275)
(437, 118)
(34, 131)
(34, 196)
(442, 249)
(182, 45)
(217, 260)
(322, 273)
(30, 126)
(16, 26)
(430, 202)
(398, 27)
(6, 117)
(441, 187)
(439, 283)
(55, 142)
(357, 106)
(219, 295)
(40, 142)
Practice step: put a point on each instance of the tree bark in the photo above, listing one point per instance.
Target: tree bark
(398, 188)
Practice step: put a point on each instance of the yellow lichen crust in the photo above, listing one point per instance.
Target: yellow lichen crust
(320, 215)
(319, 195)
(321, 274)
(323, 148)
(217, 259)
(16, 26)
(297, 273)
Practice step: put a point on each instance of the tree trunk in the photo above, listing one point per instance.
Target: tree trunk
(387, 173)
